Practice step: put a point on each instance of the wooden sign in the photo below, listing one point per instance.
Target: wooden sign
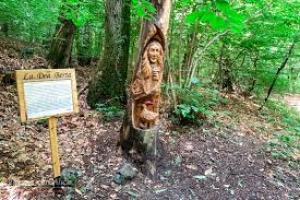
(46, 93)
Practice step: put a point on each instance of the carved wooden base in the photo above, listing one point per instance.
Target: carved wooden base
(145, 145)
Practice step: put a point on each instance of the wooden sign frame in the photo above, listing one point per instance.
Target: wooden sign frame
(32, 86)
(44, 76)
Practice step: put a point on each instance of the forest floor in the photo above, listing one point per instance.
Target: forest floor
(226, 158)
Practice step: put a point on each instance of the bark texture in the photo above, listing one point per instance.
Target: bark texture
(224, 76)
(61, 47)
(108, 85)
(282, 66)
(84, 45)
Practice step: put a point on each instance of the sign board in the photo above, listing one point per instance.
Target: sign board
(46, 93)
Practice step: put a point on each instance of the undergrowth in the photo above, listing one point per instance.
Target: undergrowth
(195, 104)
(285, 142)
(108, 113)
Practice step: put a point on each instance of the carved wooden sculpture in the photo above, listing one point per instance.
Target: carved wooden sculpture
(139, 127)
(145, 87)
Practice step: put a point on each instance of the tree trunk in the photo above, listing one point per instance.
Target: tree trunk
(4, 28)
(253, 79)
(61, 46)
(139, 128)
(84, 45)
(283, 64)
(109, 82)
(224, 77)
(191, 48)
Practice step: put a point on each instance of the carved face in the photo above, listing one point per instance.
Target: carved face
(154, 50)
(154, 54)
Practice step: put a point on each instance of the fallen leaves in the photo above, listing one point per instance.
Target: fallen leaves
(188, 146)
(192, 167)
(200, 177)
(209, 171)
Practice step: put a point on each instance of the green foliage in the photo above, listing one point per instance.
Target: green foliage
(36, 20)
(194, 105)
(219, 15)
(30, 19)
(109, 112)
(259, 30)
(285, 143)
(249, 30)
(76, 11)
(143, 9)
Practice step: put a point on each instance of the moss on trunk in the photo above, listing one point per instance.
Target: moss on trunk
(109, 83)
(61, 46)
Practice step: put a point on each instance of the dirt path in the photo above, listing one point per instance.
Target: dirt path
(293, 101)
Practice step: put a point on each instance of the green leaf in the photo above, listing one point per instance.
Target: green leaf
(140, 11)
(194, 16)
(218, 23)
(149, 7)
(194, 108)
(186, 111)
(208, 16)
(222, 5)
(223, 1)
(215, 21)
(143, 9)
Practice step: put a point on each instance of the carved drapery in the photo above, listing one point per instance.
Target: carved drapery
(145, 86)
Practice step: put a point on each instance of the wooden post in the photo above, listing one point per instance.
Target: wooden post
(46, 85)
(52, 123)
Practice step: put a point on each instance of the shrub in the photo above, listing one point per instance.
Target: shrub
(194, 104)
(109, 112)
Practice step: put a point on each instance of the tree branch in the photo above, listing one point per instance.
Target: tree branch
(194, 65)
(283, 64)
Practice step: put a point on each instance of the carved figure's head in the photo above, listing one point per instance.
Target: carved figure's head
(154, 56)
(154, 52)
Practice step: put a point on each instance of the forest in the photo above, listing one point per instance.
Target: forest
(177, 99)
